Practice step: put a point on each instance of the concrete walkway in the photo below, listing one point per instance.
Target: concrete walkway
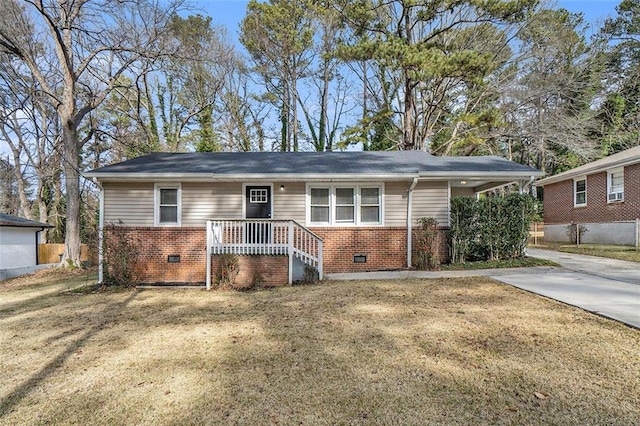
(608, 287)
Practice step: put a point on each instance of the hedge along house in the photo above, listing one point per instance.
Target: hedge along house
(282, 212)
(602, 197)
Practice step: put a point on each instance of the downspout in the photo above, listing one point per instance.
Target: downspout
(409, 220)
(100, 231)
(525, 183)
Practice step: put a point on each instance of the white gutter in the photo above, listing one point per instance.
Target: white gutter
(525, 183)
(100, 231)
(291, 177)
(410, 220)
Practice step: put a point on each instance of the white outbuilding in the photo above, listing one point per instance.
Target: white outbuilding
(19, 240)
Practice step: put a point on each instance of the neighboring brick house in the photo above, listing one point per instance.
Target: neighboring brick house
(602, 197)
(282, 212)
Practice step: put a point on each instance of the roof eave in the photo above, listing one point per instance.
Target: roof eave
(492, 175)
(212, 177)
(306, 177)
(571, 174)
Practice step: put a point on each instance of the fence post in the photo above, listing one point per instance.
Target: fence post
(637, 234)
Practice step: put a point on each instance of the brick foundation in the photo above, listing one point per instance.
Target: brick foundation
(155, 245)
(267, 271)
(384, 248)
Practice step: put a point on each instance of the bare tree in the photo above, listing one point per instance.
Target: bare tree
(77, 56)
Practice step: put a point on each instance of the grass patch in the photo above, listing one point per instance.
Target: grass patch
(628, 253)
(446, 351)
(513, 263)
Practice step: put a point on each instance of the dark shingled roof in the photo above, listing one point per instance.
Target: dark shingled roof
(329, 163)
(9, 220)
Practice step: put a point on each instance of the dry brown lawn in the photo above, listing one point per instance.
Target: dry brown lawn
(449, 351)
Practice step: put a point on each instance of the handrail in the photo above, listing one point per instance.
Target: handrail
(264, 237)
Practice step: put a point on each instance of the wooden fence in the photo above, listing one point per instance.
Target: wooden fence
(536, 232)
(52, 253)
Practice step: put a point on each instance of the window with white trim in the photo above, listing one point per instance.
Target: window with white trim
(615, 185)
(167, 209)
(320, 205)
(344, 205)
(370, 205)
(580, 192)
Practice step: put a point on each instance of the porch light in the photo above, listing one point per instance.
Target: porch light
(463, 182)
(281, 187)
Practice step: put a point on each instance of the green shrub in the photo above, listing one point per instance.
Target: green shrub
(427, 244)
(490, 228)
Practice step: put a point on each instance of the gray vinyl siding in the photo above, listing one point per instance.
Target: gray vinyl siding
(130, 202)
(210, 200)
(430, 199)
(289, 203)
(395, 203)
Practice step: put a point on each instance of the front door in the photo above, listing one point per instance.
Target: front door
(258, 206)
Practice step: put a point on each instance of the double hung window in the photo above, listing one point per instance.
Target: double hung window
(344, 205)
(167, 205)
(615, 185)
(580, 192)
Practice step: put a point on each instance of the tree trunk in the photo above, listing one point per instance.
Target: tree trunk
(409, 120)
(25, 208)
(407, 126)
(71, 169)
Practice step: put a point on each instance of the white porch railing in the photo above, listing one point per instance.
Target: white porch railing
(264, 237)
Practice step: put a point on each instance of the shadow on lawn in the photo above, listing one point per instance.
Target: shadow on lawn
(22, 390)
(443, 352)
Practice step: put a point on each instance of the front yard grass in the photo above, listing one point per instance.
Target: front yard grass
(499, 264)
(610, 251)
(446, 351)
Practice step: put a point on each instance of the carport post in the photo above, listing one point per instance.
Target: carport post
(637, 234)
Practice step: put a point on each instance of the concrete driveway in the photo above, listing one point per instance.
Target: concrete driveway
(608, 287)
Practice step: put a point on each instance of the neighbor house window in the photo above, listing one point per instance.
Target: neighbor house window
(167, 205)
(615, 185)
(344, 205)
(580, 192)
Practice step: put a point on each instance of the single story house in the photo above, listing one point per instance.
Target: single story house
(19, 240)
(284, 212)
(601, 197)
